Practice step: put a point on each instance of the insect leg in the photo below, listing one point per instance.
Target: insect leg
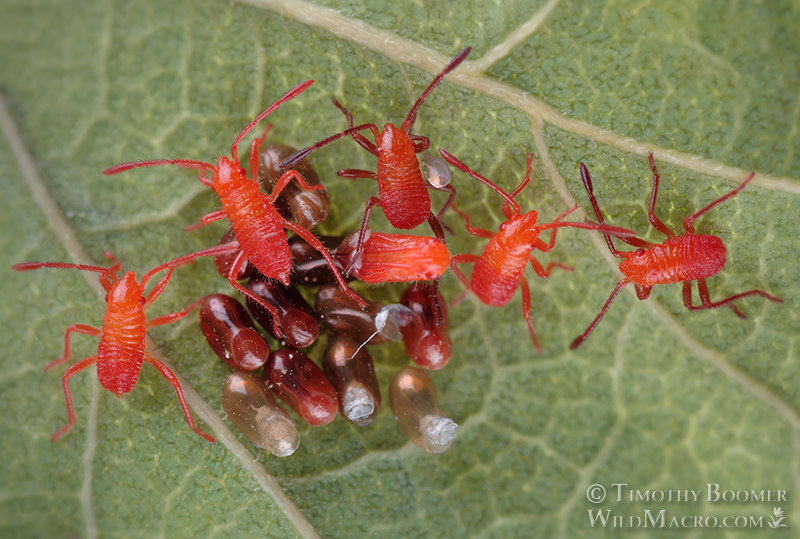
(582, 337)
(451, 197)
(74, 369)
(475, 231)
(207, 219)
(708, 304)
(312, 240)
(284, 180)
(587, 184)
(438, 231)
(157, 289)
(436, 227)
(173, 380)
(74, 328)
(546, 247)
(240, 259)
(421, 143)
(544, 273)
(362, 232)
(526, 311)
(705, 301)
(643, 292)
(462, 259)
(439, 216)
(351, 173)
(255, 147)
(358, 137)
(651, 211)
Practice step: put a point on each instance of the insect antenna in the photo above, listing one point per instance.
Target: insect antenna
(624, 234)
(108, 276)
(509, 199)
(293, 159)
(217, 250)
(199, 166)
(688, 222)
(628, 238)
(111, 270)
(183, 163)
(297, 90)
(408, 123)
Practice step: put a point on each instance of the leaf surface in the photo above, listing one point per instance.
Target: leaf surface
(657, 398)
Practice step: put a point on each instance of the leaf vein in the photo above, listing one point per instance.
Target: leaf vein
(403, 50)
(67, 237)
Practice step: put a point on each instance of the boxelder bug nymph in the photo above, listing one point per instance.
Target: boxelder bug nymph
(122, 340)
(393, 258)
(258, 226)
(500, 268)
(403, 193)
(683, 258)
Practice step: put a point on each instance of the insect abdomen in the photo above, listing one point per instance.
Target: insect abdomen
(121, 350)
(401, 258)
(682, 258)
(497, 273)
(404, 197)
(259, 231)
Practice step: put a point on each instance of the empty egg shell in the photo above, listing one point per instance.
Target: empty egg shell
(253, 409)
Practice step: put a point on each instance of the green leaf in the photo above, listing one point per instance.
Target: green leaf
(657, 398)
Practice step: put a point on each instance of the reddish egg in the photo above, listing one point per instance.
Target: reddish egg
(296, 317)
(344, 316)
(301, 384)
(426, 336)
(231, 333)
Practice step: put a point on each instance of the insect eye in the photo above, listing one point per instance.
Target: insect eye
(640, 252)
(141, 301)
(242, 172)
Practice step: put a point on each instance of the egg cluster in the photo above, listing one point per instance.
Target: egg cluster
(346, 383)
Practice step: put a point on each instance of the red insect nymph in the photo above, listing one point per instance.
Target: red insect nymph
(393, 258)
(258, 226)
(680, 258)
(122, 339)
(402, 191)
(500, 268)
